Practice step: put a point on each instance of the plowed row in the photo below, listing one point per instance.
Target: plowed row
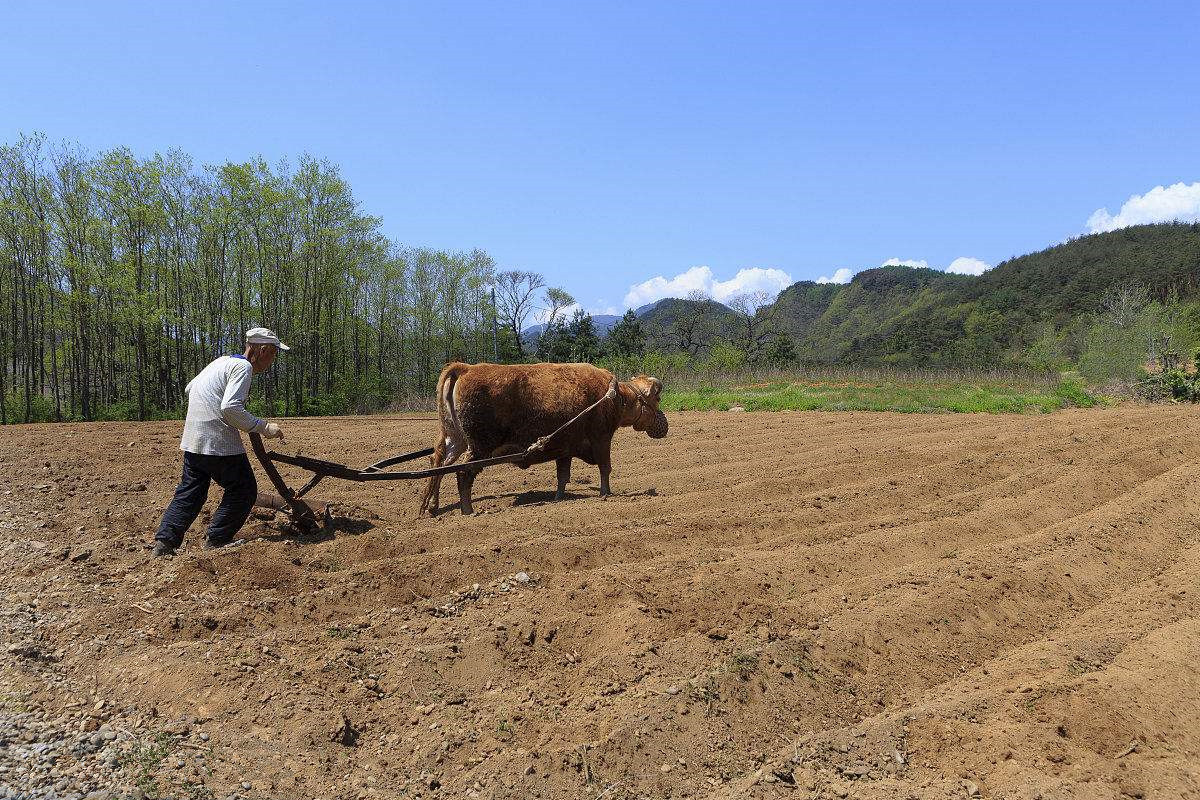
(802, 605)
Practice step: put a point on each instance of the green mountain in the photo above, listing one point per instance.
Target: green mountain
(904, 315)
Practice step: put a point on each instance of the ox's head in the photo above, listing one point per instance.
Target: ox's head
(643, 413)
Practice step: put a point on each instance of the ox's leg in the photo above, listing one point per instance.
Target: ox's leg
(446, 451)
(604, 462)
(466, 479)
(429, 497)
(563, 466)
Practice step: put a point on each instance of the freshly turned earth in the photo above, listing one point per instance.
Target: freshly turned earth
(772, 605)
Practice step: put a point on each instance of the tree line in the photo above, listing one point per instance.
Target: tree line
(120, 277)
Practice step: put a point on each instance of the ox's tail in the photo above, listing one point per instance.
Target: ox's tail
(452, 440)
(447, 412)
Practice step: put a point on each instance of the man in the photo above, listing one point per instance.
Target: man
(212, 445)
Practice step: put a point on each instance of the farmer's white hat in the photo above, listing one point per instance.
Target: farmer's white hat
(264, 336)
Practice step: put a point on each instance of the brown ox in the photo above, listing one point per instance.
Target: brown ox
(495, 410)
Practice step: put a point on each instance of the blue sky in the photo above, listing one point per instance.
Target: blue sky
(713, 145)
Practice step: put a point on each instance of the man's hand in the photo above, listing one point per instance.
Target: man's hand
(272, 431)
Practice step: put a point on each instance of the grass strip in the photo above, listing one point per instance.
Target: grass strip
(911, 398)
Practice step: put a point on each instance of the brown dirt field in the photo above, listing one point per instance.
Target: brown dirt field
(772, 605)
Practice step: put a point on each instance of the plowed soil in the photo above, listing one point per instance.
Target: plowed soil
(771, 605)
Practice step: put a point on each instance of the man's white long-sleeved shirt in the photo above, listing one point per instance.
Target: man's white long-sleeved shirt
(217, 408)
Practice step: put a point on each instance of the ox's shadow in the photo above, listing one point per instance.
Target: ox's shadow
(532, 497)
(538, 497)
(528, 498)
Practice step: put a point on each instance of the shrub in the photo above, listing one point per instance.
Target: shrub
(41, 409)
(1172, 385)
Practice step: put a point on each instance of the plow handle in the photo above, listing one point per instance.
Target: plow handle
(299, 509)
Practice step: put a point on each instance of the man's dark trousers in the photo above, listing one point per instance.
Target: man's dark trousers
(233, 474)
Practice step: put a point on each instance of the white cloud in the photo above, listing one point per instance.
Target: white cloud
(701, 279)
(658, 287)
(968, 266)
(1178, 202)
(754, 279)
(842, 275)
(895, 262)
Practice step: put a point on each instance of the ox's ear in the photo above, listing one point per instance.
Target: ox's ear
(655, 387)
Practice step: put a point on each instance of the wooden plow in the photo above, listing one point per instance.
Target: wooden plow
(313, 514)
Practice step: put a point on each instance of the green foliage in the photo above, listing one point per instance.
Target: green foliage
(626, 338)
(1111, 353)
(781, 351)
(40, 409)
(1173, 383)
(574, 340)
(724, 357)
(144, 760)
(555, 343)
(122, 276)
(1130, 335)
(585, 344)
(1073, 393)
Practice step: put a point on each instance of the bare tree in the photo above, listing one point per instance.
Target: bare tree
(754, 324)
(1123, 303)
(515, 292)
(693, 326)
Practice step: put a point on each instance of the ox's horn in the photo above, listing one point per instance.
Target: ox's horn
(653, 391)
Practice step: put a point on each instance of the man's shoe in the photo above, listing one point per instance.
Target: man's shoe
(164, 549)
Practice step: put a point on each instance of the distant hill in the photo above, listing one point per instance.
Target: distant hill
(603, 323)
(1072, 277)
(917, 316)
(675, 324)
(666, 311)
(905, 315)
(641, 311)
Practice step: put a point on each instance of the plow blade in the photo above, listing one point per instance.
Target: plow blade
(319, 508)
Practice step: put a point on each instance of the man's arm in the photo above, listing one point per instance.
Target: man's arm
(233, 404)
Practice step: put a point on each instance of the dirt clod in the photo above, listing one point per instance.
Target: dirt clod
(343, 732)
